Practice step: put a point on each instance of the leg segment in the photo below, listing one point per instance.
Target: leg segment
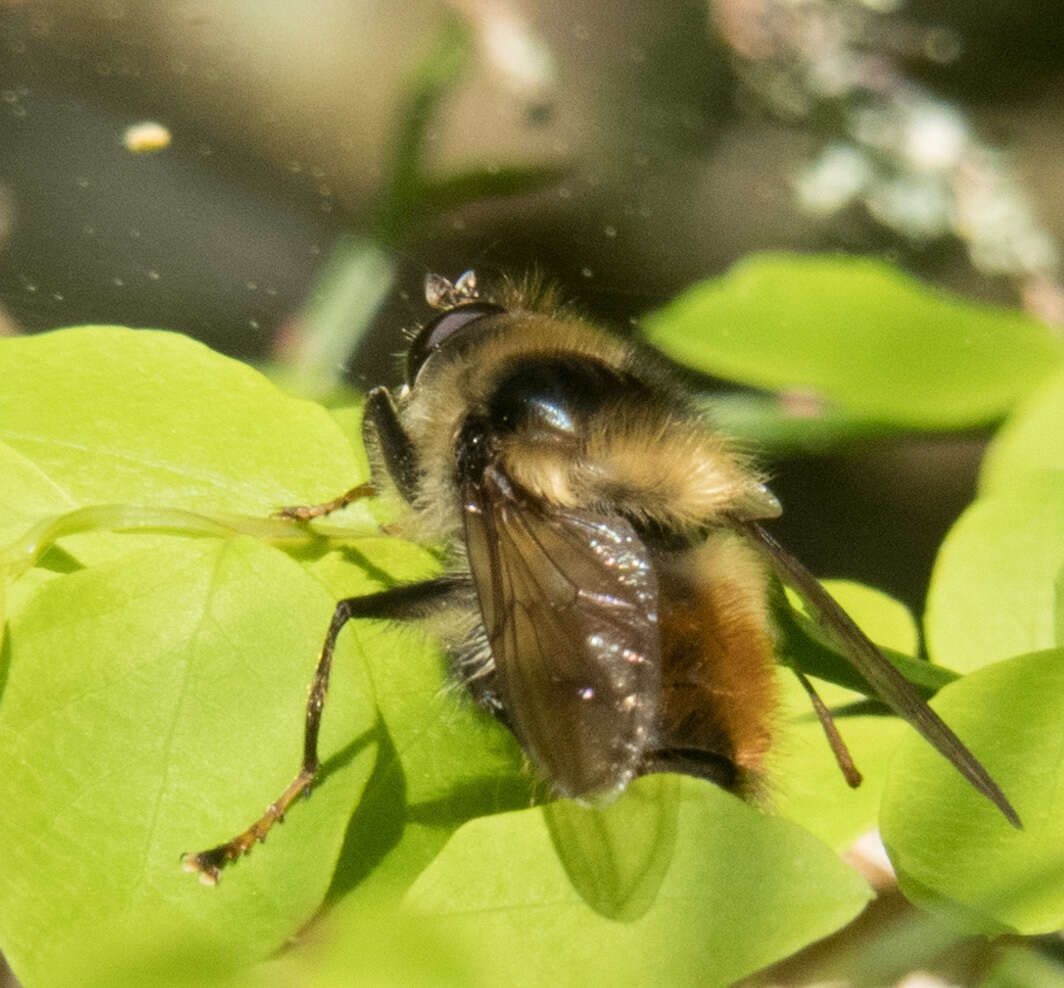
(827, 722)
(381, 426)
(414, 601)
(305, 512)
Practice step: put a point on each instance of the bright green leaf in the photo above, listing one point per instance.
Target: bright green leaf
(1058, 606)
(618, 855)
(104, 415)
(174, 669)
(376, 943)
(951, 847)
(859, 333)
(349, 419)
(1030, 442)
(885, 620)
(743, 890)
(992, 591)
(804, 644)
(154, 706)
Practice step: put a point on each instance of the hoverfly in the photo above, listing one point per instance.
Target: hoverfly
(609, 557)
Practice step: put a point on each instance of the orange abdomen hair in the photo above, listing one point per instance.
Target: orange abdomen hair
(719, 689)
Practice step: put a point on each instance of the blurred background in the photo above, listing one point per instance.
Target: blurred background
(276, 179)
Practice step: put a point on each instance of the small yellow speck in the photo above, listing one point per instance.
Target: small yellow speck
(146, 137)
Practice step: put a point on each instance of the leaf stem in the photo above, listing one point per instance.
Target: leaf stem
(25, 551)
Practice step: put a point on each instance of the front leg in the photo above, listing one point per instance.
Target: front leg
(306, 512)
(416, 600)
(381, 429)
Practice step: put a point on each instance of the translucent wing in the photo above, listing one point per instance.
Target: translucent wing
(569, 602)
(889, 685)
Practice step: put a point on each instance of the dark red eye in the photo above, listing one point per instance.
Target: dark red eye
(441, 330)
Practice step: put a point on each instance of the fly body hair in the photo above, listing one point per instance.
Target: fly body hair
(652, 461)
(640, 450)
(720, 685)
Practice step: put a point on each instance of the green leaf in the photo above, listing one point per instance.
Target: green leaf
(992, 591)
(1058, 606)
(617, 856)
(783, 425)
(152, 707)
(1022, 967)
(804, 644)
(886, 620)
(104, 415)
(743, 890)
(1030, 442)
(372, 942)
(951, 848)
(859, 333)
(153, 687)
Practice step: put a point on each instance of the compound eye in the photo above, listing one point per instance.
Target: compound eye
(446, 327)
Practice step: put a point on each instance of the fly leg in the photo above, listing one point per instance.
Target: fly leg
(305, 512)
(382, 431)
(417, 600)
